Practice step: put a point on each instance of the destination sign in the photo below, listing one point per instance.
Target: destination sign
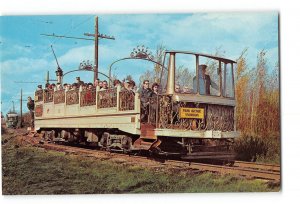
(191, 113)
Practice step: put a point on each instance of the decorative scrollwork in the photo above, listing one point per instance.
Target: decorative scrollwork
(126, 100)
(216, 117)
(142, 53)
(59, 96)
(165, 111)
(107, 98)
(48, 96)
(72, 97)
(38, 96)
(88, 97)
(220, 118)
(86, 65)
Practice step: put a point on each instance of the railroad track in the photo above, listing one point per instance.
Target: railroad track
(245, 169)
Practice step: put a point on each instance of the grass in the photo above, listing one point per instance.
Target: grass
(31, 170)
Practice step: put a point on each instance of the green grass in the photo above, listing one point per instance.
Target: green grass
(31, 170)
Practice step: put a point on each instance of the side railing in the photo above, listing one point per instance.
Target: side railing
(107, 98)
(126, 100)
(88, 97)
(72, 97)
(117, 99)
(48, 96)
(59, 96)
(38, 96)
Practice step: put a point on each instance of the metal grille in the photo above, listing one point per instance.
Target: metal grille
(126, 100)
(220, 118)
(59, 96)
(88, 97)
(48, 96)
(38, 96)
(72, 97)
(216, 117)
(107, 98)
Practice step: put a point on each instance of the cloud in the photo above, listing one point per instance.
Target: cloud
(22, 65)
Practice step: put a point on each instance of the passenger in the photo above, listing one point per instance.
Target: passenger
(96, 82)
(104, 85)
(39, 88)
(84, 86)
(89, 86)
(69, 87)
(154, 89)
(117, 83)
(58, 87)
(130, 86)
(88, 94)
(177, 88)
(100, 84)
(153, 103)
(52, 86)
(78, 81)
(30, 106)
(145, 93)
(65, 86)
(47, 86)
(186, 89)
(74, 86)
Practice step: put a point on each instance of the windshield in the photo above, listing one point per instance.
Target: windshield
(186, 81)
(185, 72)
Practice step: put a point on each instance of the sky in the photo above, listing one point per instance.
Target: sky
(26, 56)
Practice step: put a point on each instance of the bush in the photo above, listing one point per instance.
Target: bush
(250, 147)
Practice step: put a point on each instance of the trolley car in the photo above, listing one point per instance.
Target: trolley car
(189, 122)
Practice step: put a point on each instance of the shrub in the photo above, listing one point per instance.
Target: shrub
(249, 147)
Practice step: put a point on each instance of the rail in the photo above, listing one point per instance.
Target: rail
(249, 170)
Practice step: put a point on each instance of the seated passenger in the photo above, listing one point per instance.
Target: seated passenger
(74, 86)
(104, 85)
(84, 86)
(177, 88)
(89, 86)
(186, 89)
(39, 88)
(96, 82)
(131, 86)
(78, 81)
(58, 87)
(100, 84)
(116, 83)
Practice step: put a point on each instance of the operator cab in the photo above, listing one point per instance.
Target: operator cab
(193, 75)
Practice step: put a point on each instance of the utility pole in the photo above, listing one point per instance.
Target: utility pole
(97, 36)
(96, 49)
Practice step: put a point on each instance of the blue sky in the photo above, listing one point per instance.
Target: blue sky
(25, 55)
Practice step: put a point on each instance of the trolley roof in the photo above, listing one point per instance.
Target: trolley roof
(225, 60)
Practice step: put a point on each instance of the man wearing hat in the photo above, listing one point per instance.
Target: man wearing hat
(39, 87)
(78, 81)
(204, 81)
